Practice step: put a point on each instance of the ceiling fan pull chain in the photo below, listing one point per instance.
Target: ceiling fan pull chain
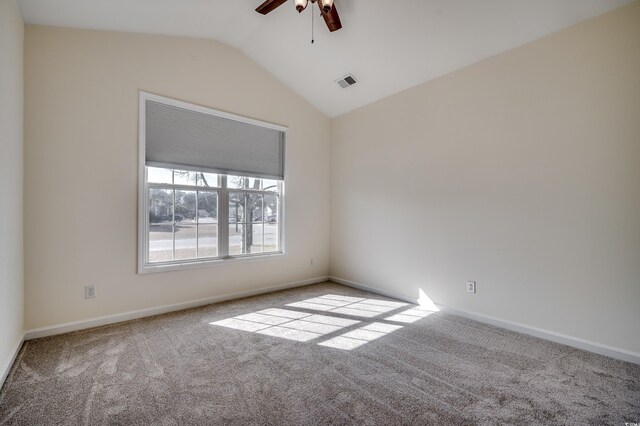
(312, 38)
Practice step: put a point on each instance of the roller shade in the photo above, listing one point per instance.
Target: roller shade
(181, 138)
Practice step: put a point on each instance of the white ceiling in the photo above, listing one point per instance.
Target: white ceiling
(388, 45)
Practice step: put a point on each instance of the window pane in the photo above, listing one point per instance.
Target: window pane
(185, 210)
(236, 207)
(242, 182)
(207, 179)
(185, 236)
(207, 241)
(271, 233)
(269, 185)
(236, 182)
(253, 183)
(207, 207)
(183, 224)
(184, 177)
(158, 175)
(245, 207)
(248, 238)
(271, 208)
(254, 235)
(160, 225)
(236, 243)
(160, 206)
(160, 243)
(254, 208)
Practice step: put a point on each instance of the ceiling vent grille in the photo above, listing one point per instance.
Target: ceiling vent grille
(346, 81)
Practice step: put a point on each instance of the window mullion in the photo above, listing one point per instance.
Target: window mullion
(146, 217)
(173, 225)
(223, 219)
(280, 217)
(197, 226)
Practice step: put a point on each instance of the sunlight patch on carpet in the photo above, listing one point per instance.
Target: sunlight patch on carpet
(354, 306)
(410, 315)
(286, 324)
(360, 336)
(338, 332)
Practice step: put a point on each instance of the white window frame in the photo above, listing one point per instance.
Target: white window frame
(144, 266)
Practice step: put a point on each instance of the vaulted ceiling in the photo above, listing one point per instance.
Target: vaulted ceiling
(388, 45)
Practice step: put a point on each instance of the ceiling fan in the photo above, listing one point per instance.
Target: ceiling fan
(327, 9)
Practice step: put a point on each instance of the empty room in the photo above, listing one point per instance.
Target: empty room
(309, 212)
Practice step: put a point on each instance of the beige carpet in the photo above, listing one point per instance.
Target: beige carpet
(322, 354)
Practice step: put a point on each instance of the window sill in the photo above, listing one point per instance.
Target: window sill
(196, 264)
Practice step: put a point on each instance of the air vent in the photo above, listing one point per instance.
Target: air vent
(346, 81)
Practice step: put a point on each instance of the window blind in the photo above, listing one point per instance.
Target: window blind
(184, 139)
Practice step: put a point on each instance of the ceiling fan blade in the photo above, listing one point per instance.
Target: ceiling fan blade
(269, 5)
(331, 18)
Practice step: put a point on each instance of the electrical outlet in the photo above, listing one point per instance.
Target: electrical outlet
(311, 261)
(89, 291)
(471, 286)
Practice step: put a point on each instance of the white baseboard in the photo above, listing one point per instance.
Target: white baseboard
(381, 292)
(126, 316)
(564, 339)
(8, 363)
(576, 342)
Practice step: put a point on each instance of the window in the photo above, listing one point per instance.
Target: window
(194, 207)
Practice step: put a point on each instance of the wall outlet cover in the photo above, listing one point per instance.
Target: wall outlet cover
(89, 291)
(471, 286)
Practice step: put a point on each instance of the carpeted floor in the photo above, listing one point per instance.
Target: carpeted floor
(322, 354)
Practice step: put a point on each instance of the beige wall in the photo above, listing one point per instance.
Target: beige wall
(11, 188)
(81, 156)
(521, 172)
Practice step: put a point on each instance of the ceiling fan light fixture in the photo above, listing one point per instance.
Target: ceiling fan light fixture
(327, 8)
(301, 5)
(326, 5)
